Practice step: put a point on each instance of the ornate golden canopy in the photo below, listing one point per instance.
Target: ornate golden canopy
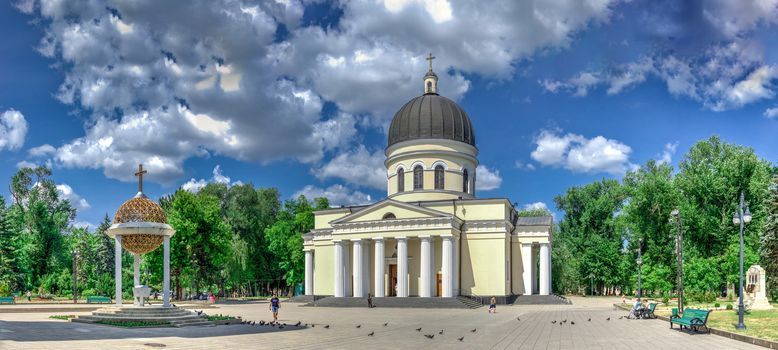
(140, 209)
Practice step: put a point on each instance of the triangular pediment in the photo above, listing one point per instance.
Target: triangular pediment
(400, 210)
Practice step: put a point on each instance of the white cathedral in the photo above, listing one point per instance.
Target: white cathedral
(431, 236)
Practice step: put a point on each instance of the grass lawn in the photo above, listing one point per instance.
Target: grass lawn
(759, 323)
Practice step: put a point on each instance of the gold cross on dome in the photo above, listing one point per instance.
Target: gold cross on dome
(139, 174)
(430, 58)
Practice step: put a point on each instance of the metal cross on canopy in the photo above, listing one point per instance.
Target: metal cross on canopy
(430, 58)
(139, 174)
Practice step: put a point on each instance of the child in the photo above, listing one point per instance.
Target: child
(275, 304)
(493, 305)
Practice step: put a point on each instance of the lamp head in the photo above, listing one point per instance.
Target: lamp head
(747, 215)
(736, 219)
(674, 213)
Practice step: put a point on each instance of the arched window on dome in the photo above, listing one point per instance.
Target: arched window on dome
(418, 177)
(401, 180)
(439, 177)
(389, 216)
(465, 181)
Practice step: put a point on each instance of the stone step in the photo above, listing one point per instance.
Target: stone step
(136, 318)
(188, 323)
(171, 313)
(393, 302)
(470, 303)
(541, 300)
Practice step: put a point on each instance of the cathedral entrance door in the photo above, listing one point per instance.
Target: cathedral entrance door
(440, 284)
(393, 280)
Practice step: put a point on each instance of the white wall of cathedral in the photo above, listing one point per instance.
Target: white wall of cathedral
(454, 157)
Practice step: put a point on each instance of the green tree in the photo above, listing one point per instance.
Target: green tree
(200, 245)
(43, 217)
(285, 236)
(9, 271)
(769, 251)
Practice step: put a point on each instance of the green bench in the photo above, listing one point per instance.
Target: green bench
(92, 300)
(649, 312)
(692, 319)
(7, 300)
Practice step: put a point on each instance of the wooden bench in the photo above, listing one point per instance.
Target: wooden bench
(7, 300)
(94, 299)
(692, 319)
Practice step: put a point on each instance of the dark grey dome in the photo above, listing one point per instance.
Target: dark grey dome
(431, 116)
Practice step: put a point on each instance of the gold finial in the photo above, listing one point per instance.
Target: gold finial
(139, 174)
(430, 58)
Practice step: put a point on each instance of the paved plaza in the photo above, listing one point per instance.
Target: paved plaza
(534, 330)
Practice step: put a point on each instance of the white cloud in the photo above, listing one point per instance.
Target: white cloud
(26, 164)
(84, 224)
(487, 179)
(246, 95)
(358, 167)
(42, 151)
(195, 186)
(668, 152)
(534, 206)
(66, 192)
(524, 166)
(579, 154)
(771, 112)
(337, 195)
(13, 130)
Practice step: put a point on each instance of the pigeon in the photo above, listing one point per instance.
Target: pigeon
(200, 312)
(461, 338)
(472, 330)
(518, 318)
(590, 319)
(261, 322)
(608, 319)
(553, 322)
(371, 334)
(620, 317)
(429, 336)
(253, 323)
(386, 324)
(174, 305)
(572, 323)
(297, 324)
(280, 327)
(359, 326)
(327, 326)
(441, 332)
(313, 325)
(565, 321)
(418, 329)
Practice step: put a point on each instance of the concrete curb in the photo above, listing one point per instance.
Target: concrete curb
(720, 332)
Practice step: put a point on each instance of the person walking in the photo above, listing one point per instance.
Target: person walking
(275, 304)
(493, 305)
(29, 295)
(369, 301)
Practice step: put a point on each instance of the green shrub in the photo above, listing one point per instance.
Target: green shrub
(717, 305)
(87, 293)
(665, 300)
(729, 306)
(5, 291)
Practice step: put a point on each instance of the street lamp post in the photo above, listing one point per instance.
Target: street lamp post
(741, 218)
(679, 256)
(640, 264)
(75, 274)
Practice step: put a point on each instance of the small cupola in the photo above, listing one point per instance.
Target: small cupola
(430, 79)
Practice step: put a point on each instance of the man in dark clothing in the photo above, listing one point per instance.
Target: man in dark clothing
(275, 304)
(369, 301)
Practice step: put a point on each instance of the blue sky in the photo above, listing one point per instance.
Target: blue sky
(298, 94)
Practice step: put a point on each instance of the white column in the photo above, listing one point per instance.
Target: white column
(426, 268)
(545, 263)
(457, 245)
(534, 271)
(135, 277)
(309, 272)
(379, 267)
(359, 269)
(526, 260)
(402, 266)
(448, 267)
(347, 277)
(118, 270)
(135, 269)
(166, 271)
(339, 281)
